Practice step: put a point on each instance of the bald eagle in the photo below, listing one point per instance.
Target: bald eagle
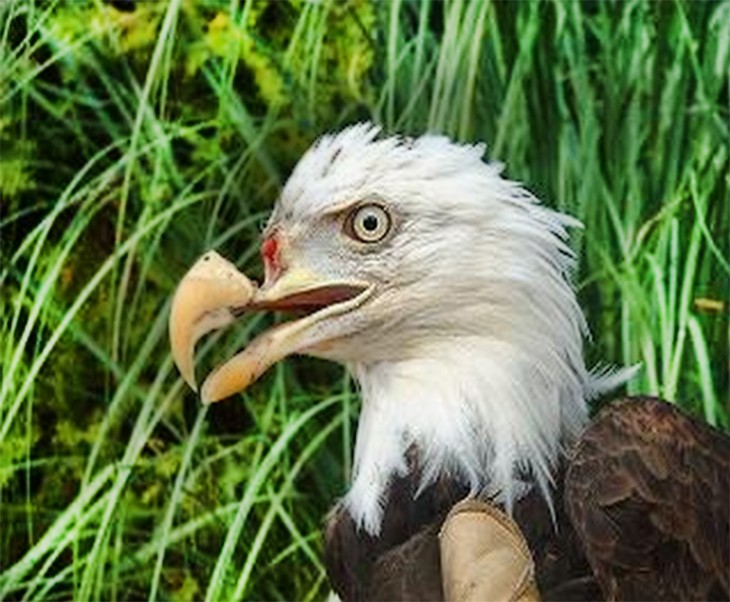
(445, 289)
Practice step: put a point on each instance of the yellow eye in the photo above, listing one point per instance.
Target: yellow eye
(368, 223)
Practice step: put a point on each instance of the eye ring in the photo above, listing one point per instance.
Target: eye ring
(369, 223)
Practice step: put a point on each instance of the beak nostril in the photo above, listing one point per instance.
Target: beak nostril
(270, 250)
(271, 254)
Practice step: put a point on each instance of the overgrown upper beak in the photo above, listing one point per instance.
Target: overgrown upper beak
(214, 293)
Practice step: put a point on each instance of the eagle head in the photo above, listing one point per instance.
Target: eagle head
(442, 286)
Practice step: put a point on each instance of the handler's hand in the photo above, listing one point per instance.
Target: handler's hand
(484, 556)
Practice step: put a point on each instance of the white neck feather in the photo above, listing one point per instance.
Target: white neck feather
(476, 409)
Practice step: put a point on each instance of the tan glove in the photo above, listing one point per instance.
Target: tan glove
(484, 556)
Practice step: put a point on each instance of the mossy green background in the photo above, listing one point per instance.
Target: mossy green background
(136, 135)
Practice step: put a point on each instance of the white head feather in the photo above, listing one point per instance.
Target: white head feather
(471, 347)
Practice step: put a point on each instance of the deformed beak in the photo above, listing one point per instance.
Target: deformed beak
(205, 300)
(213, 293)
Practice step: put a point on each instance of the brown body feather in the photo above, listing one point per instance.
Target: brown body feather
(648, 490)
(644, 514)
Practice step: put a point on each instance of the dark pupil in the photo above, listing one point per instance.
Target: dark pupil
(370, 223)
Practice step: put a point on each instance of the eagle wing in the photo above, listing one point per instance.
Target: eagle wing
(646, 500)
(648, 492)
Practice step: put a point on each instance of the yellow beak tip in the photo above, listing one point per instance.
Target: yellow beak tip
(202, 303)
(208, 397)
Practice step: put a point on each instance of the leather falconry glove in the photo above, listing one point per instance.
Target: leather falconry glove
(484, 556)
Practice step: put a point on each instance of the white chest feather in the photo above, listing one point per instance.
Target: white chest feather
(484, 412)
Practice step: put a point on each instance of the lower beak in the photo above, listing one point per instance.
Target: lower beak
(213, 293)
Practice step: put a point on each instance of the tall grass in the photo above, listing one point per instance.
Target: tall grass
(133, 141)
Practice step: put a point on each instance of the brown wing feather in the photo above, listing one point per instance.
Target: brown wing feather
(648, 491)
